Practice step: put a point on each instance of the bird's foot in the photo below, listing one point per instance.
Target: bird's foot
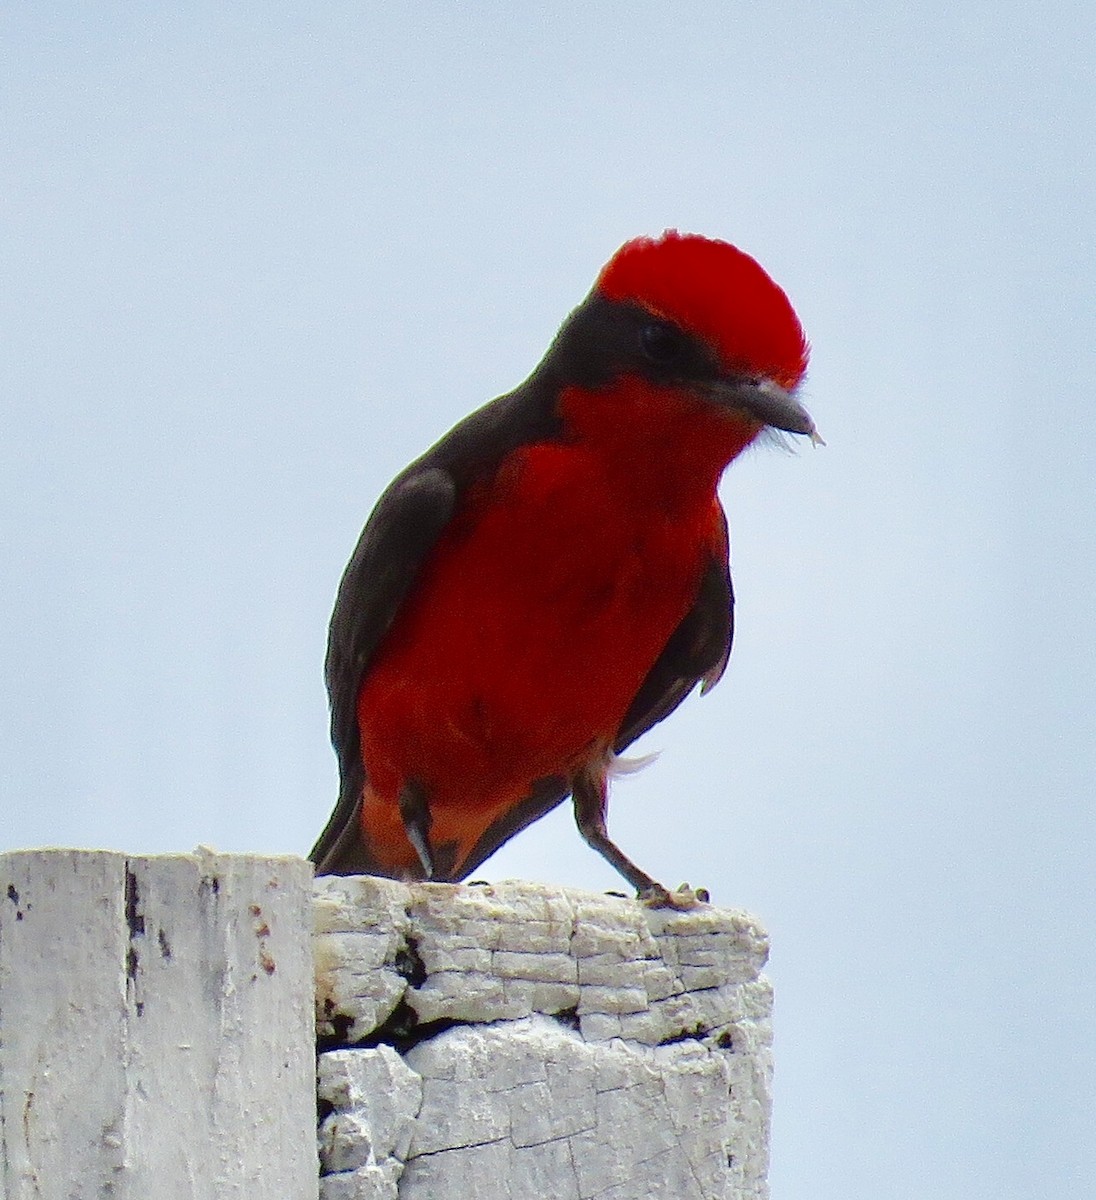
(684, 899)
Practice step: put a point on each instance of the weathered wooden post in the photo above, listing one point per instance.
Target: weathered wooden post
(505, 1041)
(156, 1031)
(514, 1041)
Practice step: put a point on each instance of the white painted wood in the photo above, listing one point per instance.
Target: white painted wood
(156, 1037)
(156, 1032)
(551, 1043)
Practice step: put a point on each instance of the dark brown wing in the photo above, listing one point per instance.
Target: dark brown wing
(697, 652)
(397, 537)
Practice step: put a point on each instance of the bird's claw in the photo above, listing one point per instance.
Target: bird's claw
(685, 899)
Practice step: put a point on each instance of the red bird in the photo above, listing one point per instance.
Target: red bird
(550, 580)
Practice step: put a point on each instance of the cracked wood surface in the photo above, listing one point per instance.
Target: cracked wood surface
(516, 1040)
(501, 1041)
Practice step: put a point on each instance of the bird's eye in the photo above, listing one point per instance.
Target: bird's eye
(661, 343)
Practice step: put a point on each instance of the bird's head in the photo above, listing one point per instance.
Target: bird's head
(694, 314)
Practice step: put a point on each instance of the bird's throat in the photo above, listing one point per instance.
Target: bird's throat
(661, 445)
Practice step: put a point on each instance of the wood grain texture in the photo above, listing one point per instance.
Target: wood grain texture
(156, 1033)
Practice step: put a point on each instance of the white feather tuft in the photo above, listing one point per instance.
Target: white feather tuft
(619, 766)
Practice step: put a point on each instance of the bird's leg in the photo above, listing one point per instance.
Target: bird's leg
(590, 794)
(415, 812)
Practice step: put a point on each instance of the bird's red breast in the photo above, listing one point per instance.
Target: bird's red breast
(540, 611)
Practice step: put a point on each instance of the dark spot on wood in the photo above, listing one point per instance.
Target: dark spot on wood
(695, 1034)
(409, 964)
(133, 968)
(340, 1025)
(403, 1029)
(136, 922)
(134, 917)
(568, 1017)
(165, 946)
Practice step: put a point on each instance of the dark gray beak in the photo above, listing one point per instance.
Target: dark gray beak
(767, 402)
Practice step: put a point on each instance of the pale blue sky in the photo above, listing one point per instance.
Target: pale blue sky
(255, 257)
